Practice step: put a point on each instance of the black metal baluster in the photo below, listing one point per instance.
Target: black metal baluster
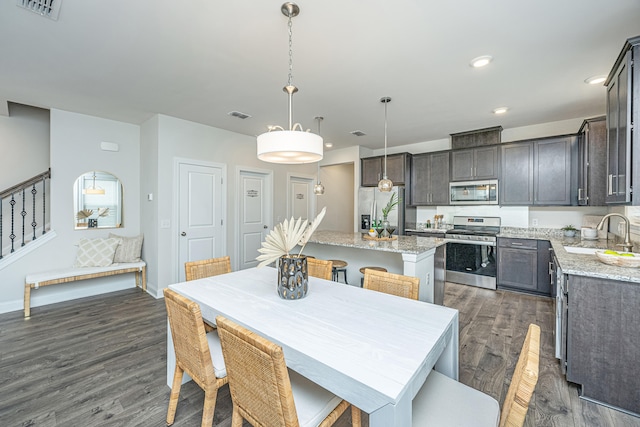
(44, 204)
(23, 213)
(33, 214)
(12, 236)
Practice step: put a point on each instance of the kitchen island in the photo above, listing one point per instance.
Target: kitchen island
(597, 325)
(597, 317)
(421, 257)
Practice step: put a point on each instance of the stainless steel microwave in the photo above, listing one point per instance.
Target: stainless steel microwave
(474, 192)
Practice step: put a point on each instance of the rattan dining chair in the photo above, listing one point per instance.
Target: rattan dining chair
(199, 354)
(265, 393)
(320, 268)
(207, 267)
(390, 283)
(443, 401)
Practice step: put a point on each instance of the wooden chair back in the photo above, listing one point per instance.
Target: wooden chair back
(189, 337)
(207, 267)
(260, 384)
(523, 382)
(390, 283)
(320, 268)
(193, 354)
(258, 377)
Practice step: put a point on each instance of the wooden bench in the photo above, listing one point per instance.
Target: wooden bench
(54, 277)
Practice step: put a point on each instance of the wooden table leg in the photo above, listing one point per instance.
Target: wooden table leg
(27, 299)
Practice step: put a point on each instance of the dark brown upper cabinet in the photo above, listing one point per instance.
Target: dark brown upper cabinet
(398, 169)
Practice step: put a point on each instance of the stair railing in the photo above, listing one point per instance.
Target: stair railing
(14, 194)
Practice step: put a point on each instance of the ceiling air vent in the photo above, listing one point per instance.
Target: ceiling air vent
(357, 133)
(48, 8)
(238, 114)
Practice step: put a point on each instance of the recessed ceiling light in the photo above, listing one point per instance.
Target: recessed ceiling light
(595, 80)
(481, 61)
(500, 110)
(328, 144)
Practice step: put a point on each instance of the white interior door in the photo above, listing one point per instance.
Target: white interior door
(200, 212)
(256, 207)
(301, 200)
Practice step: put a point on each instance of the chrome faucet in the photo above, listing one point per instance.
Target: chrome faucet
(627, 245)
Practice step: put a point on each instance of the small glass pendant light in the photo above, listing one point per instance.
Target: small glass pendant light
(318, 189)
(385, 184)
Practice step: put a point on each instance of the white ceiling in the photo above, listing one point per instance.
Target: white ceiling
(200, 59)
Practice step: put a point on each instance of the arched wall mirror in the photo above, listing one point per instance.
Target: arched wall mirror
(97, 200)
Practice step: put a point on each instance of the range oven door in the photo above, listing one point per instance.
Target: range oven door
(471, 263)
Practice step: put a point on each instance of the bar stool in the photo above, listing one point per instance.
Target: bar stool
(370, 268)
(339, 266)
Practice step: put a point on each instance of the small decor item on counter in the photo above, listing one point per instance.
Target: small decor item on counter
(620, 259)
(590, 233)
(569, 230)
(293, 274)
(372, 232)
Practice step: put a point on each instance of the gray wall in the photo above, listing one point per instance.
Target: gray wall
(24, 144)
(338, 197)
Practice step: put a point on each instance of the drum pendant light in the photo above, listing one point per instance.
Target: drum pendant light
(94, 189)
(385, 184)
(294, 145)
(318, 189)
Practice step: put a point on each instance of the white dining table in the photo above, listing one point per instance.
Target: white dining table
(372, 349)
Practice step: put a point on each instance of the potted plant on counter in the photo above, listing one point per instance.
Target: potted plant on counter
(393, 202)
(569, 230)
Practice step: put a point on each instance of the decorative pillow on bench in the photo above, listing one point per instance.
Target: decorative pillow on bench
(96, 252)
(129, 249)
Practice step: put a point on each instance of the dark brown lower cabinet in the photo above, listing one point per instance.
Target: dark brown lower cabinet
(523, 265)
(603, 340)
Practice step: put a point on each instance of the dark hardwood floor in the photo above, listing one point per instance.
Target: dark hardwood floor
(101, 361)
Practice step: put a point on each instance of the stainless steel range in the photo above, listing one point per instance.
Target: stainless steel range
(471, 251)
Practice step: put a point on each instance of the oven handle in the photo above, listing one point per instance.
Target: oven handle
(471, 242)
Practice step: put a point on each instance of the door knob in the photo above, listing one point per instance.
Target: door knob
(183, 234)
(265, 227)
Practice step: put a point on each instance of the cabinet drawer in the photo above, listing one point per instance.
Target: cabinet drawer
(518, 243)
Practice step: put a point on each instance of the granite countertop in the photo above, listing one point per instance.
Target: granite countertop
(579, 264)
(588, 264)
(404, 244)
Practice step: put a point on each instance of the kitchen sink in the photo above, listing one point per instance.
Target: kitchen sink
(578, 250)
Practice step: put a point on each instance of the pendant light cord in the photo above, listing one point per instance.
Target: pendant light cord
(385, 138)
(289, 82)
(319, 119)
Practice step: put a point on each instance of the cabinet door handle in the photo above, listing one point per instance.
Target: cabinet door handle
(516, 244)
(610, 185)
(579, 193)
